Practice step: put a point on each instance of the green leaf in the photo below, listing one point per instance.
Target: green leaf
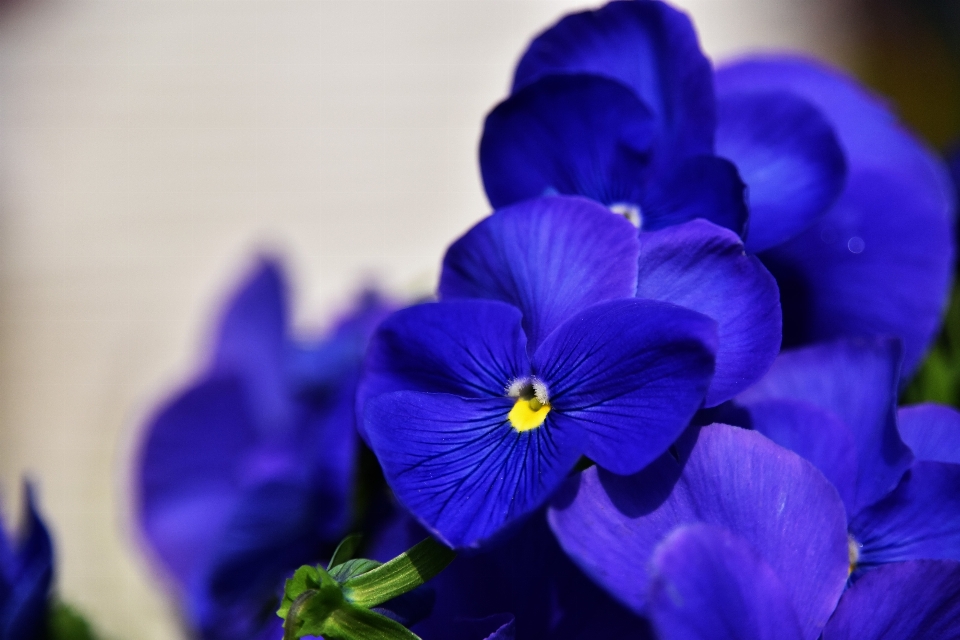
(304, 579)
(356, 623)
(404, 573)
(65, 623)
(351, 568)
(346, 550)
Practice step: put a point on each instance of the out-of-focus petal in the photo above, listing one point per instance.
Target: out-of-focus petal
(631, 374)
(708, 584)
(703, 267)
(787, 154)
(469, 348)
(573, 135)
(551, 258)
(734, 478)
(649, 46)
(23, 611)
(919, 520)
(460, 467)
(932, 431)
(880, 260)
(856, 380)
(919, 600)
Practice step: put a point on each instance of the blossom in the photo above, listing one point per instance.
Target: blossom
(849, 210)
(478, 408)
(248, 472)
(26, 573)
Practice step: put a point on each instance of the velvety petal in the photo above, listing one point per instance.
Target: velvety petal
(631, 374)
(787, 154)
(649, 46)
(470, 348)
(575, 135)
(702, 267)
(919, 520)
(551, 258)
(703, 186)
(188, 472)
(460, 467)
(917, 600)
(932, 431)
(708, 584)
(734, 478)
(496, 627)
(880, 260)
(251, 343)
(813, 433)
(856, 380)
(23, 613)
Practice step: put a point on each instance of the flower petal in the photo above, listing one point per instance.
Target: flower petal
(649, 46)
(880, 260)
(734, 478)
(23, 612)
(551, 258)
(932, 431)
(574, 135)
(470, 348)
(919, 520)
(460, 467)
(708, 584)
(702, 267)
(631, 373)
(788, 155)
(856, 380)
(918, 600)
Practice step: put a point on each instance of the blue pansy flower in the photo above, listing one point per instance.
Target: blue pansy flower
(26, 574)
(835, 404)
(248, 472)
(732, 482)
(478, 408)
(851, 212)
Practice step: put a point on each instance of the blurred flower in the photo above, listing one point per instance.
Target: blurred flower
(26, 574)
(249, 472)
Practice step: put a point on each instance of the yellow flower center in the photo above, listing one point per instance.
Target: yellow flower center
(528, 413)
(853, 553)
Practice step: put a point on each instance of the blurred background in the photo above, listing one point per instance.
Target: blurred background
(151, 149)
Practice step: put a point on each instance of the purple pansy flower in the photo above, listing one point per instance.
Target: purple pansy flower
(850, 211)
(478, 406)
(26, 573)
(248, 472)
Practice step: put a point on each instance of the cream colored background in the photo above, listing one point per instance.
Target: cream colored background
(148, 149)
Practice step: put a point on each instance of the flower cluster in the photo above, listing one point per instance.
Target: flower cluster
(655, 396)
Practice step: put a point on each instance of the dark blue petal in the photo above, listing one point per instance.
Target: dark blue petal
(708, 584)
(251, 343)
(551, 258)
(856, 380)
(917, 600)
(23, 611)
(880, 260)
(470, 348)
(919, 520)
(460, 467)
(189, 472)
(631, 374)
(574, 135)
(734, 478)
(932, 432)
(813, 433)
(704, 186)
(496, 627)
(789, 157)
(649, 46)
(702, 267)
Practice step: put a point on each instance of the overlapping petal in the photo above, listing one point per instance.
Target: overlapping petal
(649, 46)
(855, 380)
(702, 267)
(708, 584)
(460, 467)
(919, 600)
(631, 373)
(787, 154)
(575, 135)
(880, 260)
(734, 478)
(932, 432)
(551, 258)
